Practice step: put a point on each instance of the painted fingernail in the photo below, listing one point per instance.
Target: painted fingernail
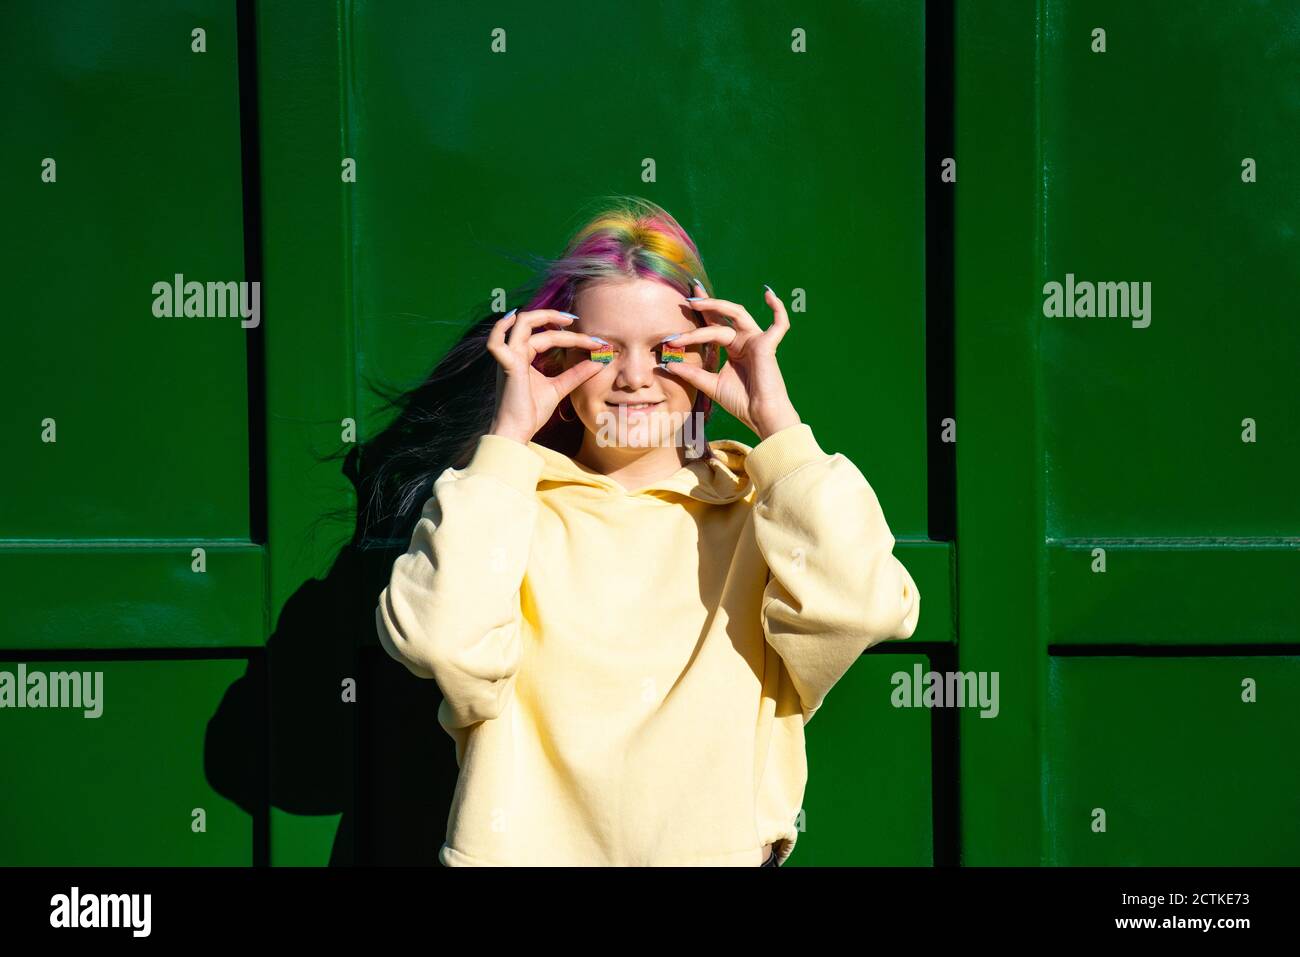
(693, 298)
(767, 287)
(569, 314)
(697, 282)
(510, 313)
(670, 338)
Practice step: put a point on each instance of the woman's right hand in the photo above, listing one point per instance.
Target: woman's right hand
(526, 399)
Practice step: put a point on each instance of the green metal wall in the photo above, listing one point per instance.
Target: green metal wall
(150, 458)
(1124, 687)
(225, 690)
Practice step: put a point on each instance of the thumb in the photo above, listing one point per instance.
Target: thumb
(574, 376)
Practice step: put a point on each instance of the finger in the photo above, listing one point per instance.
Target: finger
(717, 310)
(530, 319)
(499, 328)
(526, 322)
(706, 382)
(496, 341)
(723, 335)
(780, 319)
(574, 376)
(518, 328)
(552, 338)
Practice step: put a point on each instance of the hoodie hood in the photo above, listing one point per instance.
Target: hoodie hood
(718, 479)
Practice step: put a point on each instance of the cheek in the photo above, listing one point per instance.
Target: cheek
(680, 396)
(590, 394)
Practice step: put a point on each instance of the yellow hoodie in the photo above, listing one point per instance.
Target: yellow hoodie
(627, 675)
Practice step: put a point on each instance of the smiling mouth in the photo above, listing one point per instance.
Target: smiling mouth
(635, 406)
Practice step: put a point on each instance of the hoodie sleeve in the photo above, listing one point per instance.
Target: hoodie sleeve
(835, 587)
(451, 608)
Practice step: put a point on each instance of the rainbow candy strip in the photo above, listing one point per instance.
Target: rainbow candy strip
(671, 353)
(603, 354)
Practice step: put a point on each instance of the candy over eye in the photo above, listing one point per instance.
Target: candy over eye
(665, 352)
(668, 352)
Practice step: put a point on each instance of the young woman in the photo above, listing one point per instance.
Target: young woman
(629, 638)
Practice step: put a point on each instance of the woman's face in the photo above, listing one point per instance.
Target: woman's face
(633, 316)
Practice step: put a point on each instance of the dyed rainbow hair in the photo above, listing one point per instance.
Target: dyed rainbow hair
(627, 237)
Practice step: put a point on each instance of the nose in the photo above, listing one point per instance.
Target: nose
(636, 368)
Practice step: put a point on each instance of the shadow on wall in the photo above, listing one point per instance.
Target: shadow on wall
(383, 764)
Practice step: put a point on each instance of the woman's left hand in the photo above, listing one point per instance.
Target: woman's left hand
(750, 385)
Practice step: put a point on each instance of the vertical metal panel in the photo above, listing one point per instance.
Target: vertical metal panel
(310, 363)
(1142, 151)
(999, 505)
(150, 412)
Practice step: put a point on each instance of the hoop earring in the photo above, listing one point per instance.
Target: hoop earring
(560, 412)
